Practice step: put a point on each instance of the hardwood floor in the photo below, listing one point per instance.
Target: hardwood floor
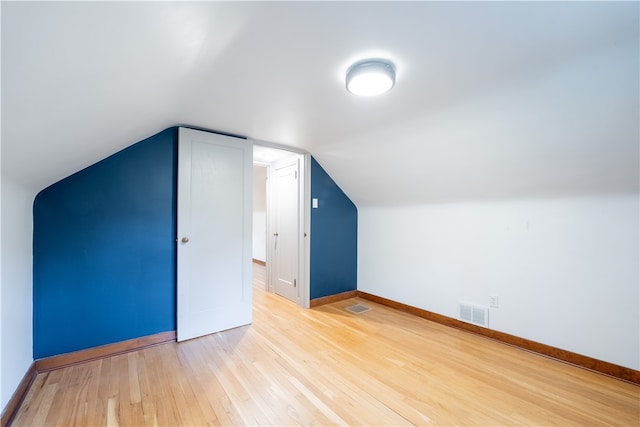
(326, 366)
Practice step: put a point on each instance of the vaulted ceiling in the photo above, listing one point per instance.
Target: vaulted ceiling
(493, 99)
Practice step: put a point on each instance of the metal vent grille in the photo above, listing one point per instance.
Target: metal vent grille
(472, 313)
(358, 308)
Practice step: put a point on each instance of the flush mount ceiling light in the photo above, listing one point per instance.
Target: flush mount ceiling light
(371, 77)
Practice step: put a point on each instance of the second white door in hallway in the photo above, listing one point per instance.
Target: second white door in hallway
(285, 226)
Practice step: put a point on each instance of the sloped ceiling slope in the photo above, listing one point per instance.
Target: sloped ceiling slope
(493, 100)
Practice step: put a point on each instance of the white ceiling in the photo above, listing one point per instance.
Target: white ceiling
(493, 99)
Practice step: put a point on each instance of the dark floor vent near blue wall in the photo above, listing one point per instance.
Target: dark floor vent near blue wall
(358, 309)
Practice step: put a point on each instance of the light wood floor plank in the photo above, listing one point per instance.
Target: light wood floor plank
(327, 366)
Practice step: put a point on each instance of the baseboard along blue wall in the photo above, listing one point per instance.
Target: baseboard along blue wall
(104, 261)
(334, 237)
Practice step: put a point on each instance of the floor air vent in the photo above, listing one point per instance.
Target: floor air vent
(472, 313)
(358, 308)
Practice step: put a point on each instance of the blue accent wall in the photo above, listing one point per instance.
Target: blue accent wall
(104, 260)
(334, 237)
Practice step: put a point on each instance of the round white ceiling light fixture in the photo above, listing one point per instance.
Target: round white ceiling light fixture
(371, 77)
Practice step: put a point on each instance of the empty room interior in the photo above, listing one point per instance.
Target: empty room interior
(320, 213)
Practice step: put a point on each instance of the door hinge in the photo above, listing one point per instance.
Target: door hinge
(295, 175)
(295, 283)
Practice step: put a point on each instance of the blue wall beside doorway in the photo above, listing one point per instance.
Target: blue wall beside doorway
(104, 250)
(334, 237)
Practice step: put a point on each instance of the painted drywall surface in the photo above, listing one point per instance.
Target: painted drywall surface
(334, 237)
(104, 251)
(565, 270)
(17, 314)
(260, 213)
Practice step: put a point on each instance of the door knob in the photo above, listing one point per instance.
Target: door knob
(185, 240)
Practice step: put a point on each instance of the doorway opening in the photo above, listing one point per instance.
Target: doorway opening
(281, 187)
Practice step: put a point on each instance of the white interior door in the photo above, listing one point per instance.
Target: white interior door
(214, 233)
(285, 219)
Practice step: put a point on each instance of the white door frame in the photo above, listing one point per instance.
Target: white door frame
(304, 233)
(305, 212)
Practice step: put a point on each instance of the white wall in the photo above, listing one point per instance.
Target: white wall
(259, 213)
(566, 270)
(17, 301)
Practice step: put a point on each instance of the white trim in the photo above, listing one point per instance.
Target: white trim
(278, 146)
(304, 260)
(305, 247)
